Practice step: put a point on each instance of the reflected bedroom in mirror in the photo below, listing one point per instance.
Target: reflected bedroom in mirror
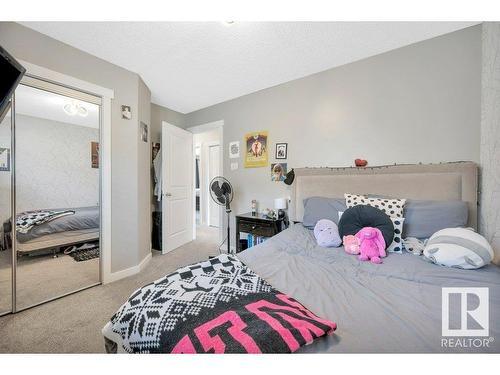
(56, 193)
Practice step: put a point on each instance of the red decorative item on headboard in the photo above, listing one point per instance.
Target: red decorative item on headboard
(360, 163)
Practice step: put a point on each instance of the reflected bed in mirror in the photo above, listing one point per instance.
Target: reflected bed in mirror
(57, 190)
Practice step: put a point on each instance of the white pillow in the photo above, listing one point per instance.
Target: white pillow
(396, 245)
(458, 247)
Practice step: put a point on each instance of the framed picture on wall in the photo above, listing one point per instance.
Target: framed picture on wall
(144, 132)
(281, 150)
(126, 112)
(256, 154)
(234, 150)
(4, 159)
(94, 154)
(278, 172)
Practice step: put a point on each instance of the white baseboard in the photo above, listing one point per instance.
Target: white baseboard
(223, 250)
(114, 276)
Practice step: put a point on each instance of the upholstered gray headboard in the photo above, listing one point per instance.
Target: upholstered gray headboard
(447, 181)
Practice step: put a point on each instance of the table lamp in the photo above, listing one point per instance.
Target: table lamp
(280, 205)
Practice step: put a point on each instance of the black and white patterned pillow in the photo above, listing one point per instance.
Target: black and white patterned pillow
(352, 200)
(391, 207)
(397, 242)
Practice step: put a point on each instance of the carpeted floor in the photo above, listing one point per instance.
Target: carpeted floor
(73, 324)
(42, 277)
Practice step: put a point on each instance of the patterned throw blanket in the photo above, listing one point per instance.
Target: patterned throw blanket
(27, 220)
(215, 306)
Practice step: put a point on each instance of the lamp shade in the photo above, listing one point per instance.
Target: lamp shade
(280, 203)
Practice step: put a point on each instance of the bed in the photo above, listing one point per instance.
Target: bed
(392, 307)
(80, 227)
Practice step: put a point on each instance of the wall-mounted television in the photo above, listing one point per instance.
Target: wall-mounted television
(11, 73)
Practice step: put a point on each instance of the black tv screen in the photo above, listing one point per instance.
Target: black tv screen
(11, 73)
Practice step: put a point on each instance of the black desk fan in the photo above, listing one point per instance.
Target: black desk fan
(221, 192)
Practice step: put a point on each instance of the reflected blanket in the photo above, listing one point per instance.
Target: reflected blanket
(27, 220)
(215, 306)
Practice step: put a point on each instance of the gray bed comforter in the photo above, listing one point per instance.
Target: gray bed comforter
(391, 307)
(83, 218)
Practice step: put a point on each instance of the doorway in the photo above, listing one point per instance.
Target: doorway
(185, 198)
(208, 163)
(213, 166)
(197, 189)
(177, 185)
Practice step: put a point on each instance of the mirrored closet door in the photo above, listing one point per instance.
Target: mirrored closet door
(5, 214)
(57, 192)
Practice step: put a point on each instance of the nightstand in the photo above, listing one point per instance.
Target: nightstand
(258, 225)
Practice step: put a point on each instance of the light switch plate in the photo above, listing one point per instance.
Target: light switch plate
(234, 166)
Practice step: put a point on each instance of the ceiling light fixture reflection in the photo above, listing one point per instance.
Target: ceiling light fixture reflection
(74, 108)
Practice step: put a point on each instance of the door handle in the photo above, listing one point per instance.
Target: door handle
(167, 194)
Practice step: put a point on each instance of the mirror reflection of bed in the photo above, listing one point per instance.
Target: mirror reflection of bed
(57, 263)
(5, 211)
(57, 197)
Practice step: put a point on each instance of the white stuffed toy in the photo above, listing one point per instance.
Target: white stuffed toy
(459, 248)
(327, 233)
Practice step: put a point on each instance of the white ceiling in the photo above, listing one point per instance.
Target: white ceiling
(42, 104)
(192, 65)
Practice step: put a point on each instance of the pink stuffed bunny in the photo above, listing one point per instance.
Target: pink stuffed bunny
(351, 244)
(372, 245)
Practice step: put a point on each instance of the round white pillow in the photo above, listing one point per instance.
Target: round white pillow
(327, 233)
(458, 247)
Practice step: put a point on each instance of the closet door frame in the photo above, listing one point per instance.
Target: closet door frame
(58, 83)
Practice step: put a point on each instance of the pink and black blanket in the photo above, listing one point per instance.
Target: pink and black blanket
(215, 306)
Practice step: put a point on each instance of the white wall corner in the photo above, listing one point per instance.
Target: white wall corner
(489, 220)
(115, 276)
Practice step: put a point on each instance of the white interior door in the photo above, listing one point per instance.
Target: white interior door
(213, 171)
(177, 187)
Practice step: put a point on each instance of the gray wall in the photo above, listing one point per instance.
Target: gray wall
(420, 103)
(144, 176)
(53, 165)
(159, 114)
(42, 50)
(490, 137)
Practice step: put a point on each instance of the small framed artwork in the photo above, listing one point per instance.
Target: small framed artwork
(4, 159)
(144, 132)
(278, 172)
(94, 154)
(234, 150)
(256, 154)
(126, 112)
(281, 150)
